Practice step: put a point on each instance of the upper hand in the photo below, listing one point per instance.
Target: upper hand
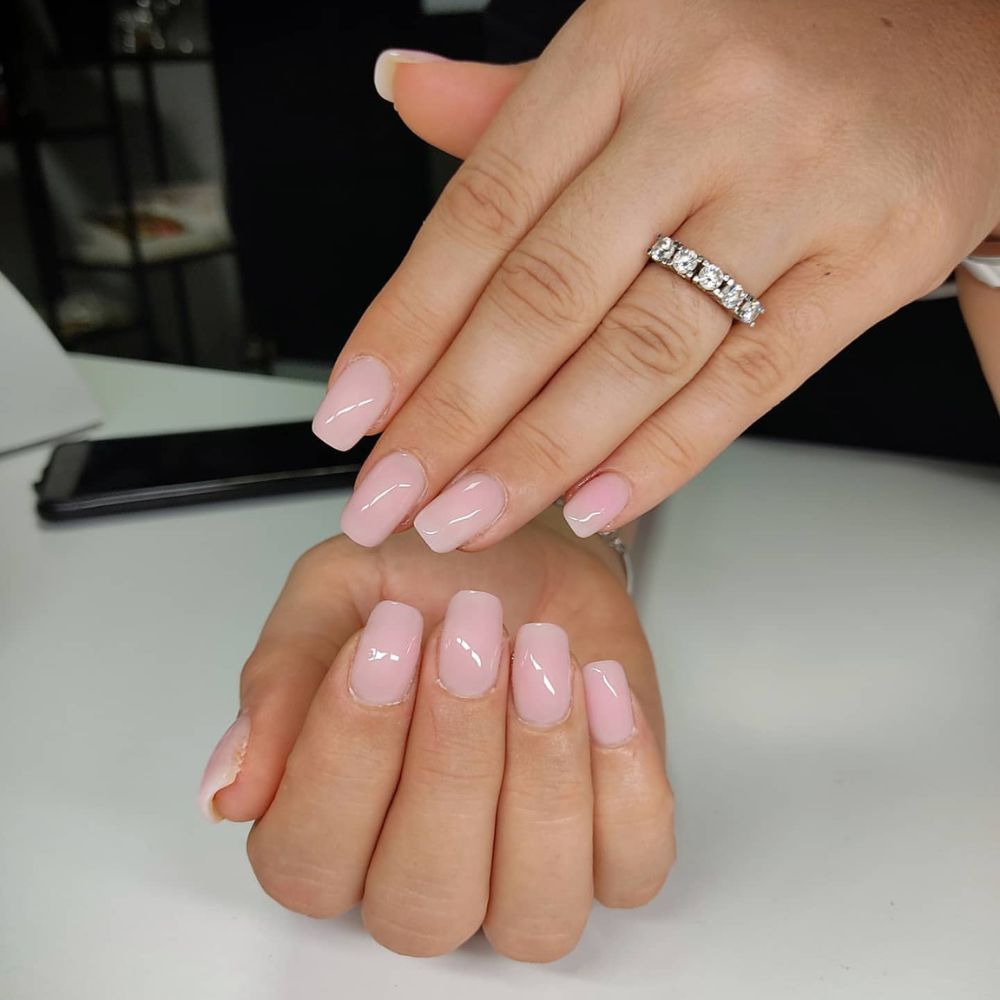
(837, 159)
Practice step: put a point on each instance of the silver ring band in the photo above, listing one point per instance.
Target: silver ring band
(709, 277)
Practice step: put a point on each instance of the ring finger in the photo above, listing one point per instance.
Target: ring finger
(651, 343)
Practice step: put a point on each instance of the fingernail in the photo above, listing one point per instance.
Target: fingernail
(609, 703)
(596, 504)
(353, 403)
(541, 674)
(471, 643)
(387, 654)
(462, 511)
(385, 67)
(224, 765)
(383, 498)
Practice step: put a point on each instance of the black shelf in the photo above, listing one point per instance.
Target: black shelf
(56, 133)
(132, 59)
(142, 263)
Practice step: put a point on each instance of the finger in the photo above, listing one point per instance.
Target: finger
(309, 624)
(814, 311)
(633, 808)
(542, 884)
(450, 104)
(650, 344)
(311, 849)
(428, 882)
(550, 127)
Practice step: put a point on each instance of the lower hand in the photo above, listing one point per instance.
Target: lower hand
(443, 790)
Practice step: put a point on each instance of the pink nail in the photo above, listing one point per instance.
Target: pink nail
(541, 674)
(596, 504)
(387, 654)
(224, 765)
(461, 512)
(385, 67)
(471, 643)
(352, 405)
(609, 703)
(383, 498)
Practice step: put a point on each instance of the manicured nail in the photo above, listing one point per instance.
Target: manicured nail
(383, 498)
(596, 504)
(541, 674)
(353, 403)
(387, 654)
(224, 765)
(471, 643)
(385, 67)
(609, 703)
(462, 511)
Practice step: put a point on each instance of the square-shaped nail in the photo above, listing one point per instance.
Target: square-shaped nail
(386, 659)
(383, 498)
(596, 504)
(471, 643)
(461, 512)
(353, 404)
(541, 674)
(609, 702)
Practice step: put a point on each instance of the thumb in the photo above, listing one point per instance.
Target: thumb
(448, 104)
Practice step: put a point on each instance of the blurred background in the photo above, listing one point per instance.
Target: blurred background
(218, 184)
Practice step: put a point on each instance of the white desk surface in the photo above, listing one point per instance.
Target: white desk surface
(827, 625)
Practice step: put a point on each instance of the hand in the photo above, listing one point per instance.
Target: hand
(837, 159)
(444, 813)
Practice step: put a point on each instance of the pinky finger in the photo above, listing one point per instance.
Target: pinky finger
(813, 313)
(633, 806)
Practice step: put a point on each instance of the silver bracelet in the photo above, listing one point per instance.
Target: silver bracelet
(615, 540)
(984, 263)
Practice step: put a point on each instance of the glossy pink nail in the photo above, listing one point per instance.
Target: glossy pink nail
(541, 674)
(352, 405)
(224, 765)
(596, 504)
(609, 703)
(387, 654)
(462, 511)
(383, 498)
(471, 643)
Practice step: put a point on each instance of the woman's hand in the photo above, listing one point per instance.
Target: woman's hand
(435, 783)
(838, 159)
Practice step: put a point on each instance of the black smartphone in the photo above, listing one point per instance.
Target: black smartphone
(114, 475)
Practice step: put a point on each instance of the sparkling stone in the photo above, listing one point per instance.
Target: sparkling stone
(709, 277)
(662, 250)
(685, 261)
(730, 294)
(749, 310)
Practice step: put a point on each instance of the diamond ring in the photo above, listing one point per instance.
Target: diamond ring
(709, 277)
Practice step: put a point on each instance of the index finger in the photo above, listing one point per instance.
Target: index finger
(552, 125)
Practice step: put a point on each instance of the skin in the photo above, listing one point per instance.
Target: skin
(441, 815)
(839, 168)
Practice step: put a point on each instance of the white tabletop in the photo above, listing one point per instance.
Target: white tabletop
(827, 625)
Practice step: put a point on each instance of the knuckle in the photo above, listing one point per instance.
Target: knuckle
(409, 921)
(416, 324)
(298, 886)
(642, 343)
(757, 368)
(538, 448)
(449, 411)
(547, 282)
(668, 450)
(487, 197)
